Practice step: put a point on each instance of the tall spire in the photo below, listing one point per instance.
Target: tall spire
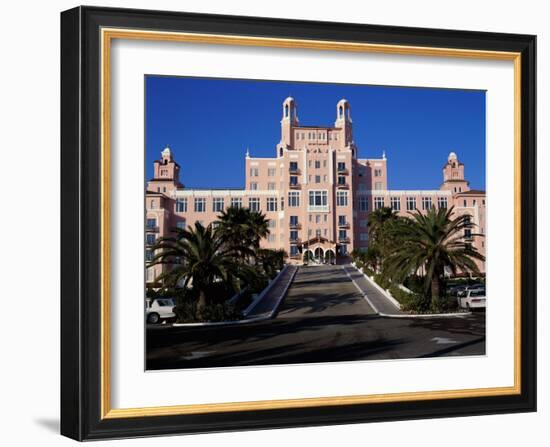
(247, 153)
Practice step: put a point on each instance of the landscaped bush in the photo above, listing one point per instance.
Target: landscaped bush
(381, 281)
(186, 312)
(410, 302)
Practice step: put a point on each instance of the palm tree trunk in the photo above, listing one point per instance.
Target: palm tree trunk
(435, 289)
(201, 304)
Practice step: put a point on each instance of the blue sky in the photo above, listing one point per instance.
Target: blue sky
(211, 122)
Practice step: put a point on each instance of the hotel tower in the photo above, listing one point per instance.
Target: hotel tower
(316, 192)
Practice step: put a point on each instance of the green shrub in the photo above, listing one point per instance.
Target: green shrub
(381, 281)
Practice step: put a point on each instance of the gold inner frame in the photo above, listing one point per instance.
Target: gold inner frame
(107, 35)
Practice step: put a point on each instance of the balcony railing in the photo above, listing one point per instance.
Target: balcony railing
(342, 185)
(294, 186)
(318, 208)
(343, 240)
(343, 171)
(295, 225)
(295, 240)
(343, 224)
(294, 171)
(151, 229)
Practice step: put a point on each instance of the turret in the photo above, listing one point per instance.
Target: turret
(288, 121)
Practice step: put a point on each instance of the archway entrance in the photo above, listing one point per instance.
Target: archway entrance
(318, 255)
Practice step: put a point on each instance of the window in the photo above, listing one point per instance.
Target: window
(150, 239)
(342, 235)
(317, 179)
(293, 166)
(254, 172)
(341, 180)
(465, 202)
(363, 203)
(148, 255)
(272, 223)
(317, 218)
(150, 275)
(395, 203)
(483, 202)
(272, 204)
(325, 178)
(341, 166)
(378, 172)
(254, 204)
(293, 198)
(341, 198)
(317, 164)
(151, 223)
(200, 204)
(318, 198)
(293, 250)
(411, 203)
(426, 203)
(181, 205)
(236, 202)
(324, 163)
(217, 204)
(341, 220)
(282, 203)
(271, 186)
(363, 237)
(293, 180)
(318, 232)
(363, 223)
(442, 202)
(153, 206)
(467, 233)
(378, 203)
(253, 186)
(325, 217)
(271, 238)
(293, 220)
(378, 186)
(271, 172)
(293, 235)
(181, 224)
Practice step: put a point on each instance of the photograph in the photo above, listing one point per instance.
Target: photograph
(305, 222)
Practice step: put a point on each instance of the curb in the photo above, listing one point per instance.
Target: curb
(259, 298)
(261, 317)
(448, 315)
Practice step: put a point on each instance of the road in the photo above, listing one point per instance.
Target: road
(322, 319)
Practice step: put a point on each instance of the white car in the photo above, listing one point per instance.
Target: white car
(159, 309)
(472, 299)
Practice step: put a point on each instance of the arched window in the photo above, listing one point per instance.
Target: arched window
(286, 110)
(280, 152)
(341, 111)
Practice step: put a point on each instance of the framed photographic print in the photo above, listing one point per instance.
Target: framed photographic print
(275, 223)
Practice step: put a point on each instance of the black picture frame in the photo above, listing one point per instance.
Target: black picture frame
(81, 209)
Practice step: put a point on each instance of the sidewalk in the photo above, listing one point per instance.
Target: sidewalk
(268, 304)
(377, 299)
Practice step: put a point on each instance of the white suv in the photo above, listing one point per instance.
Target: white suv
(159, 309)
(472, 299)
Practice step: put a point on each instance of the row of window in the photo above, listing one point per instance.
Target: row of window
(316, 136)
(395, 203)
(316, 198)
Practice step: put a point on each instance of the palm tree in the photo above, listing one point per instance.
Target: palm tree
(198, 256)
(378, 225)
(242, 228)
(433, 241)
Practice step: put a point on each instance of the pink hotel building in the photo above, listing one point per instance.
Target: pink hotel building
(316, 192)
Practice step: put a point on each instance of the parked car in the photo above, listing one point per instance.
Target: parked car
(159, 309)
(472, 299)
